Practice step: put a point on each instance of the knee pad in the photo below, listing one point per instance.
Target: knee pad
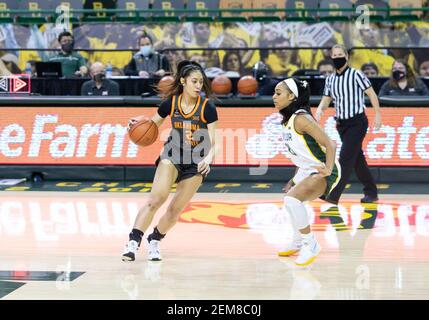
(297, 211)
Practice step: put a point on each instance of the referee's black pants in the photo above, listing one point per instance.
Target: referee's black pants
(352, 132)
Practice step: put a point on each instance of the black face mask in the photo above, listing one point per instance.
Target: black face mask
(67, 47)
(339, 62)
(98, 77)
(398, 75)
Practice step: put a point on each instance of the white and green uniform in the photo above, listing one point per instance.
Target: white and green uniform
(305, 152)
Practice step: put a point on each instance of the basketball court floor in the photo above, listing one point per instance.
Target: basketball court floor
(68, 245)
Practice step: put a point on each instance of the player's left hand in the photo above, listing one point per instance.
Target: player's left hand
(204, 167)
(323, 171)
(131, 122)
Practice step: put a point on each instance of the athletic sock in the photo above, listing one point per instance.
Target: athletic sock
(136, 235)
(155, 235)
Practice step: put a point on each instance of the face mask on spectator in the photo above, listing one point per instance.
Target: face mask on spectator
(339, 62)
(67, 47)
(146, 50)
(398, 75)
(98, 77)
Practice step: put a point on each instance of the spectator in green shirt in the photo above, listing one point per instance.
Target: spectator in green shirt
(72, 63)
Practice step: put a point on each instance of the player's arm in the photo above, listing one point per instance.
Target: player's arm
(305, 123)
(158, 119)
(289, 184)
(323, 105)
(374, 102)
(204, 165)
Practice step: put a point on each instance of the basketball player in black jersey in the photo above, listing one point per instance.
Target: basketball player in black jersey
(185, 159)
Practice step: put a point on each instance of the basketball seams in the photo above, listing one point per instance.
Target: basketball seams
(142, 136)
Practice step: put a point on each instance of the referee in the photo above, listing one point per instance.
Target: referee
(346, 87)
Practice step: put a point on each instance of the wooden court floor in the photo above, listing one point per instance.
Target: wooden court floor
(67, 245)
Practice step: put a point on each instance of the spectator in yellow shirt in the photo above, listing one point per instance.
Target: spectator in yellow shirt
(371, 38)
(282, 61)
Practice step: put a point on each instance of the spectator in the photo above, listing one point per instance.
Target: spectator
(325, 67)
(199, 58)
(371, 38)
(99, 85)
(199, 37)
(147, 63)
(4, 71)
(116, 72)
(424, 69)
(403, 82)
(174, 57)
(282, 61)
(266, 85)
(10, 62)
(33, 67)
(370, 69)
(72, 63)
(232, 64)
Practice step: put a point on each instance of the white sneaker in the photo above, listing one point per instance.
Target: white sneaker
(291, 249)
(309, 251)
(154, 254)
(130, 251)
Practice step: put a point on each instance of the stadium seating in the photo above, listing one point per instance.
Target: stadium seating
(333, 15)
(75, 17)
(234, 4)
(6, 6)
(201, 5)
(131, 14)
(33, 14)
(267, 16)
(405, 15)
(98, 7)
(308, 16)
(136, 11)
(166, 10)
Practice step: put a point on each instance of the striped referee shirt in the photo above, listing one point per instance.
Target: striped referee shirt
(347, 92)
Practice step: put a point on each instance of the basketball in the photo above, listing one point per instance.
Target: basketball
(221, 85)
(165, 84)
(247, 85)
(144, 132)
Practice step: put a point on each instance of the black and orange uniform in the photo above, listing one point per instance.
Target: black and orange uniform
(189, 140)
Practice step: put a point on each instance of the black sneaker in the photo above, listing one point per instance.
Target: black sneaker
(130, 251)
(368, 199)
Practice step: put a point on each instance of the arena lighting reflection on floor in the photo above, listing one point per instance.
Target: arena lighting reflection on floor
(50, 218)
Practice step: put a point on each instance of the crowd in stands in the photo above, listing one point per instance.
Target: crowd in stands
(221, 49)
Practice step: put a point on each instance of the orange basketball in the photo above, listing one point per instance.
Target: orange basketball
(165, 84)
(144, 132)
(247, 85)
(221, 85)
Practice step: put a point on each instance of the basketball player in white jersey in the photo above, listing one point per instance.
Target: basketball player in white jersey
(317, 170)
